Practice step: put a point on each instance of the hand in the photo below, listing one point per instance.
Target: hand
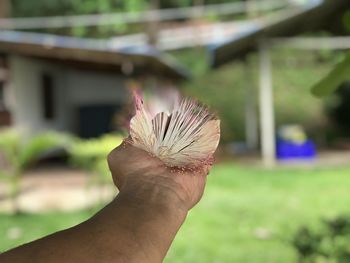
(137, 173)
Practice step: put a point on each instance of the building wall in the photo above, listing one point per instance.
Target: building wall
(26, 104)
(92, 88)
(72, 88)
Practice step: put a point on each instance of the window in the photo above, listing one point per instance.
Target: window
(48, 99)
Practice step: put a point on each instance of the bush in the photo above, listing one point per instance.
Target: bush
(330, 243)
(84, 152)
(43, 144)
(9, 146)
(91, 155)
(18, 154)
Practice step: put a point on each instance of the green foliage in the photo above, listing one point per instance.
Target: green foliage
(19, 154)
(91, 155)
(334, 79)
(224, 89)
(22, 8)
(330, 243)
(135, 5)
(195, 59)
(9, 145)
(42, 144)
(65, 7)
(85, 152)
(346, 20)
(305, 242)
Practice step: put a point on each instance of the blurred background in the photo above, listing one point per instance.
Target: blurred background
(279, 191)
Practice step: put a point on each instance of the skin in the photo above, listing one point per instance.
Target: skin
(139, 225)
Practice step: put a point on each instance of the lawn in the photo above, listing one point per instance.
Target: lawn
(239, 205)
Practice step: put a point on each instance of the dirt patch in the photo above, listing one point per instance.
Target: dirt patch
(56, 189)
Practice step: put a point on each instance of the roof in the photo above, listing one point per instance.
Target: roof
(311, 16)
(186, 35)
(94, 52)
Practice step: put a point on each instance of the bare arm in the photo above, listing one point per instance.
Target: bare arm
(138, 226)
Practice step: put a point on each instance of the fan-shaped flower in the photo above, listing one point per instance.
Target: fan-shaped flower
(187, 135)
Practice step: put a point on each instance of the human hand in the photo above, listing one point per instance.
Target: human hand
(138, 174)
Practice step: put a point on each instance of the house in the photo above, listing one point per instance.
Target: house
(69, 84)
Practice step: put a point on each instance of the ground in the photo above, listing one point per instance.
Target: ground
(57, 188)
(248, 214)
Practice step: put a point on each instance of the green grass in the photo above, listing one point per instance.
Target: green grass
(35, 226)
(237, 202)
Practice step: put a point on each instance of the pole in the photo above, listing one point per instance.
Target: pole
(251, 118)
(267, 120)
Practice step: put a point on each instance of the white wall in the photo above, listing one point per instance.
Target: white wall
(26, 106)
(91, 88)
(73, 88)
(86, 88)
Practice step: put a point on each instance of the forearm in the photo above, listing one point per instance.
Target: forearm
(135, 227)
(147, 228)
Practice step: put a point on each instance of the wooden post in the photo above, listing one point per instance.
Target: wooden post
(267, 119)
(251, 118)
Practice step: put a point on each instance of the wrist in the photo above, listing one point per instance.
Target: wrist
(142, 210)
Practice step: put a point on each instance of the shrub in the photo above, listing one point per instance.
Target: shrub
(43, 144)
(18, 154)
(330, 243)
(91, 155)
(85, 152)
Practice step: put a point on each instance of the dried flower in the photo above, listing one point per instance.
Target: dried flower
(185, 136)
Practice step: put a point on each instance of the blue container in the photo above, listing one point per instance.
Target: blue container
(288, 150)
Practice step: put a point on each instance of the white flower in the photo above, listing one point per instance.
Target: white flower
(186, 136)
